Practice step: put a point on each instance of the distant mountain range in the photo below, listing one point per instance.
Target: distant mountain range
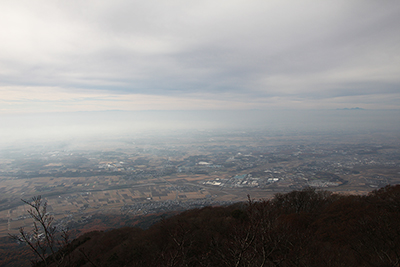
(356, 108)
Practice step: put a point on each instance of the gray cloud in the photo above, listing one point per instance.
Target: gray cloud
(249, 49)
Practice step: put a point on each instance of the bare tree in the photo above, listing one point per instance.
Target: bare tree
(44, 239)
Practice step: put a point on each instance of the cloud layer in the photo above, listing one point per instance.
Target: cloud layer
(133, 55)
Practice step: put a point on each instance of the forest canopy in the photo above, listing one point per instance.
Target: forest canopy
(308, 227)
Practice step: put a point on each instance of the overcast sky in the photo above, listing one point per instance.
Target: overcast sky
(92, 55)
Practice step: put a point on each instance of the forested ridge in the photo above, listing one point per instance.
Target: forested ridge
(302, 228)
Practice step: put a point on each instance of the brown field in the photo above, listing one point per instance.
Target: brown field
(77, 197)
(87, 202)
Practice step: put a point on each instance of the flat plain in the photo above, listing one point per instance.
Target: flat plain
(139, 176)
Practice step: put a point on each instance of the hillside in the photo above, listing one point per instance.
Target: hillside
(300, 228)
(11, 251)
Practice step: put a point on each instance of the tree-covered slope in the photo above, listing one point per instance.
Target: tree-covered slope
(301, 228)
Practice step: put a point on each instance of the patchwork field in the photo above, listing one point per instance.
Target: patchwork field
(88, 200)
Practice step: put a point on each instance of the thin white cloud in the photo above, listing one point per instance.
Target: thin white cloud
(50, 100)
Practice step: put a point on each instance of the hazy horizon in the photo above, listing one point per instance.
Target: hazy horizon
(67, 127)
